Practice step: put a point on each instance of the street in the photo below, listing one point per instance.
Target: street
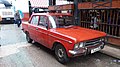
(16, 52)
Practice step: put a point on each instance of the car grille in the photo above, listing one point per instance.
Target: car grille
(6, 13)
(93, 42)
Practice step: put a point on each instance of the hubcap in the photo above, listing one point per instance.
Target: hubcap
(60, 53)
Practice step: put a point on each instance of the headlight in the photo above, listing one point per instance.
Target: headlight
(76, 46)
(79, 45)
(102, 39)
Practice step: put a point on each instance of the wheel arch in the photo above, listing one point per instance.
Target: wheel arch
(55, 44)
(26, 32)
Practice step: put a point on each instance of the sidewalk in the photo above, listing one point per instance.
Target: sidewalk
(112, 51)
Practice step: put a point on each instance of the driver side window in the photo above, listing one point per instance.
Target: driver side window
(35, 20)
(43, 21)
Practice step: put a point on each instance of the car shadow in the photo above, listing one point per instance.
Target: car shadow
(91, 60)
(47, 50)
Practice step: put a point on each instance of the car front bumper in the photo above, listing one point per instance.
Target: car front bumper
(7, 20)
(86, 50)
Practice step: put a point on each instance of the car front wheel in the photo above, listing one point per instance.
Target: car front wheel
(61, 54)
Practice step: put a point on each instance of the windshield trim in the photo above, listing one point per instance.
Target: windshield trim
(52, 21)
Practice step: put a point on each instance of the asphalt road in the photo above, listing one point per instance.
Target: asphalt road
(16, 52)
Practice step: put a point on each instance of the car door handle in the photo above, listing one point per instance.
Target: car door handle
(36, 28)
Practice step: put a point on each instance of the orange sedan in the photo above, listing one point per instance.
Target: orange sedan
(58, 32)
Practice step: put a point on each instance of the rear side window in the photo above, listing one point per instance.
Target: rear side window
(35, 20)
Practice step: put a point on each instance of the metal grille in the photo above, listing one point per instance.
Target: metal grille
(7, 13)
(93, 42)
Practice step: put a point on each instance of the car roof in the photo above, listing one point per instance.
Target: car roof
(53, 14)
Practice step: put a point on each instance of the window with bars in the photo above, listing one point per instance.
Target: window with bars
(107, 20)
(91, 0)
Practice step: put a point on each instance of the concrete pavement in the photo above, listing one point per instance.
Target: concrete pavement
(16, 52)
(112, 51)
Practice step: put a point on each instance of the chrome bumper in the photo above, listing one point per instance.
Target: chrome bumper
(77, 51)
(84, 51)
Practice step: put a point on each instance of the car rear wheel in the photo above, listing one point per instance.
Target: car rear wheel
(61, 54)
(29, 40)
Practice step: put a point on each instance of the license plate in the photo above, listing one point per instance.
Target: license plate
(95, 50)
(7, 18)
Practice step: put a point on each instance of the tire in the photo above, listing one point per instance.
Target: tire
(29, 40)
(61, 54)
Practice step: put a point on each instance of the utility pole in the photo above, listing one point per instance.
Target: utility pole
(76, 13)
(110, 3)
(52, 2)
(30, 8)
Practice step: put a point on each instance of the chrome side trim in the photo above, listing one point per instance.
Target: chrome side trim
(42, 32)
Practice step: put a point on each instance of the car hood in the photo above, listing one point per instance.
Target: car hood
(80, 34)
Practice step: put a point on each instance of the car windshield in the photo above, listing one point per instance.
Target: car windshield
(60, 21)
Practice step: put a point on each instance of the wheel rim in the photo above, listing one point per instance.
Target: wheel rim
(60, 53)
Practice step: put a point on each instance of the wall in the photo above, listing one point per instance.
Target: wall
(26, 16)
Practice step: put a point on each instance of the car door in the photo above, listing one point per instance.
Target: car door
(33, 26)
(42, 31)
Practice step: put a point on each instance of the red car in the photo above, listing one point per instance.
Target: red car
(57, 32)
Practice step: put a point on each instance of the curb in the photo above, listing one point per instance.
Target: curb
(111, 51)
